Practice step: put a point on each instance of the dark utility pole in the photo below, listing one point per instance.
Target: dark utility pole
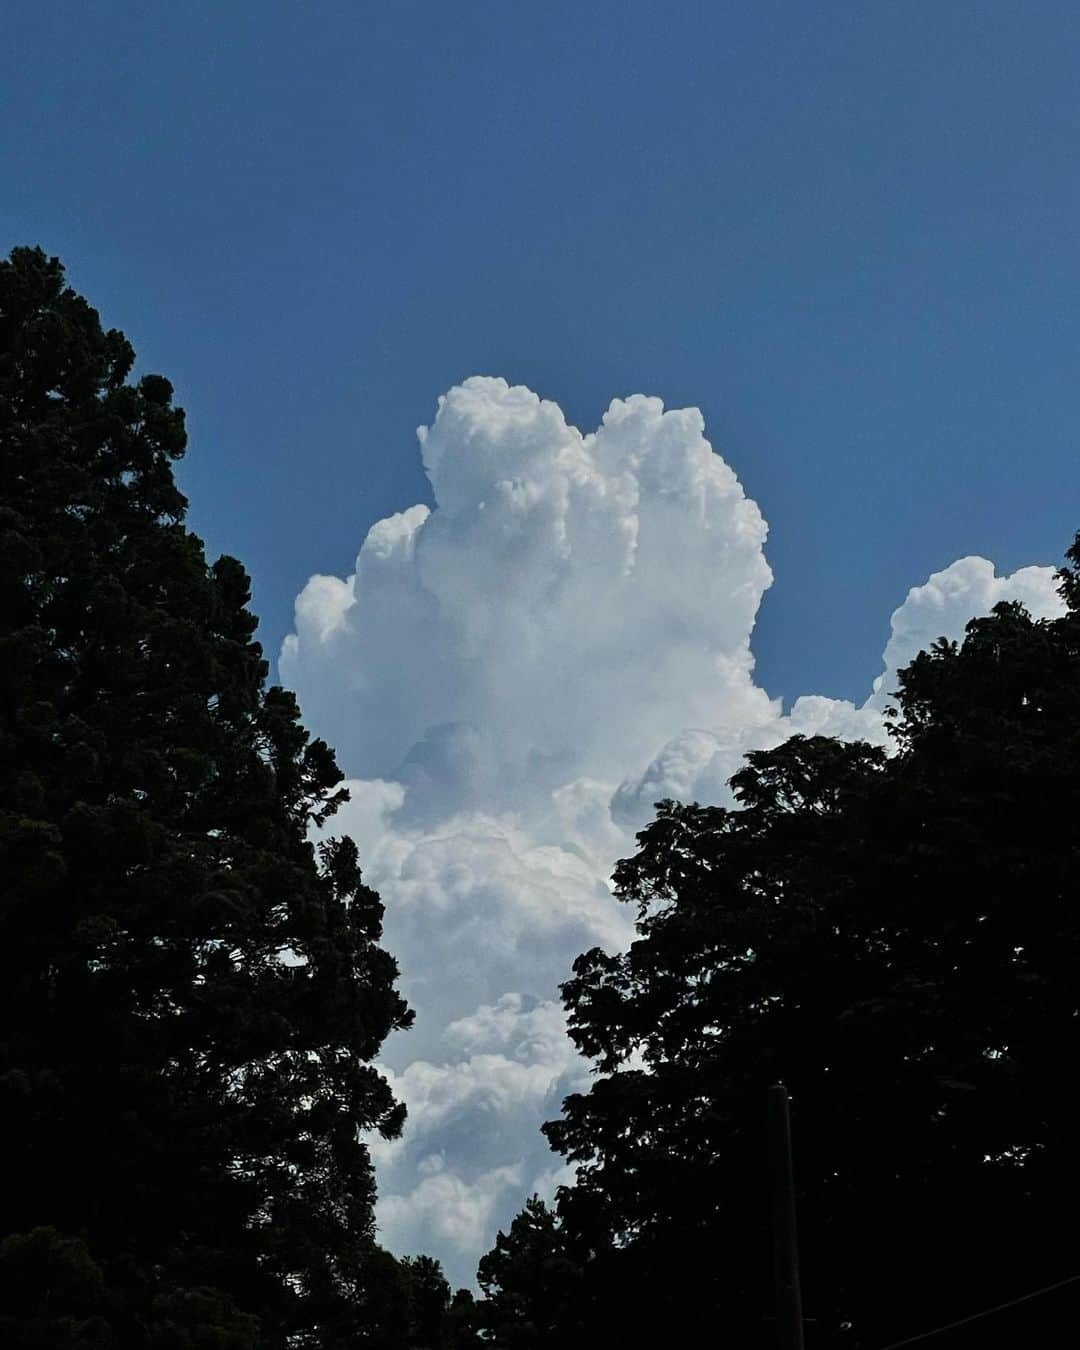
(789, 1318)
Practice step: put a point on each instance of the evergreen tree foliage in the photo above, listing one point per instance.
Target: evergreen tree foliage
(193, 996)
(897, 939)
(532, 1281)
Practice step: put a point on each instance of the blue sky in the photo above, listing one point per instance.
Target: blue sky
(847, 233)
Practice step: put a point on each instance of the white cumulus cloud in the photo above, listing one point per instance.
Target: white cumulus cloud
(570, 600)
(512, 679)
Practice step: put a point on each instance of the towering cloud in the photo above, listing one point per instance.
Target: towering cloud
(513, 679)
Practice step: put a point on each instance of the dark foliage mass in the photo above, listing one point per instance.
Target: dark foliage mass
(895, 937)
(192, 997)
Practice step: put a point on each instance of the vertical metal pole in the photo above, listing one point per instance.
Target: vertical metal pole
(789, 1318)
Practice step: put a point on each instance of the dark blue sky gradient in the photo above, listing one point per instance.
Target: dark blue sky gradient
(847, 232)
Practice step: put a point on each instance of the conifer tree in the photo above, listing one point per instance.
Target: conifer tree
(193, 995)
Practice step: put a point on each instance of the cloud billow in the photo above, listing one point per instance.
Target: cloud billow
(512, 679)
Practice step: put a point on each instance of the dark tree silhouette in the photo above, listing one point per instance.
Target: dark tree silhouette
(896, 938)
(192, 998)
(532, 1280)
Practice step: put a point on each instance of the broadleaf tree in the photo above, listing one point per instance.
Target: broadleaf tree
(897, 938)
